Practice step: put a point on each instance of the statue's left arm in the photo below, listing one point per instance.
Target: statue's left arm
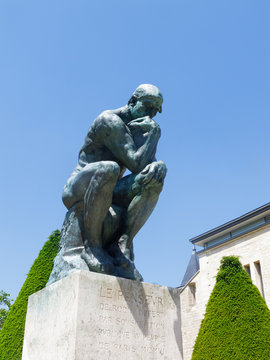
(139, 129)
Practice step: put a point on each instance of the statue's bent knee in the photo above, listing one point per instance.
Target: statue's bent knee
(154, 186)
(108, 171)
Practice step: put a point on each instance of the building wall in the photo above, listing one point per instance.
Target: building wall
(253, 249)
(190, 316)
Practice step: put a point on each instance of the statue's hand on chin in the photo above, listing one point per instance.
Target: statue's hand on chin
(144, 124)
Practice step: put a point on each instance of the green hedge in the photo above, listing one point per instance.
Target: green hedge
(237, 321)
(11, 335)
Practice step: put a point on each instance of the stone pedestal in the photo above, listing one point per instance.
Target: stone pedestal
(90, 316)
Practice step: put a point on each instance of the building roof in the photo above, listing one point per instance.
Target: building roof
(192, 268)
(234, 228)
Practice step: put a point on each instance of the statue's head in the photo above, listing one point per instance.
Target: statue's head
(145, 101)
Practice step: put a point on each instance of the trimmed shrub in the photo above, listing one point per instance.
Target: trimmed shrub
(237, 320)
(12, 333)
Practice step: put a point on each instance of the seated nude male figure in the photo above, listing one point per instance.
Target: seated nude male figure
(116, 207)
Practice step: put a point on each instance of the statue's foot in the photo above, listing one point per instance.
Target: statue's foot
(98, 260)
(129, 272)
(121, 252)
(120, 258)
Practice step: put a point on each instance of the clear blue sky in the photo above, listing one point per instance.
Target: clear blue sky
(63, 62)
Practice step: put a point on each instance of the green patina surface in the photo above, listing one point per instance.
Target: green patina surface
(11, 335)
(237, 320)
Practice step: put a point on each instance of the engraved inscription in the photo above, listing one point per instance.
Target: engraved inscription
(147, 299)
(120, 332)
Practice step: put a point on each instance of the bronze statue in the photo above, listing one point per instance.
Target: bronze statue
(110, 209)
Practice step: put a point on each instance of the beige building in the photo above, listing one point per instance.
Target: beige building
(247, 237)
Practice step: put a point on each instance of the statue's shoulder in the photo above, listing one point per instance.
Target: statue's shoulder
(98, 130)
(108, 119)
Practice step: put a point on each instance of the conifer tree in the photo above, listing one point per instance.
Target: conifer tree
(12, 333)
(237, 320)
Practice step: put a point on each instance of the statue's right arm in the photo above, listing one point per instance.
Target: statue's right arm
(117, 138)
